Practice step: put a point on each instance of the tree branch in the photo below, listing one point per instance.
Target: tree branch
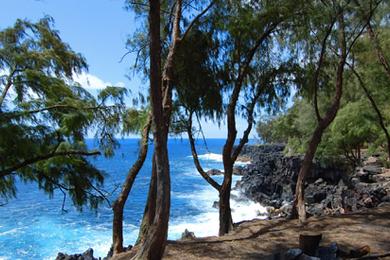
(39, 110)
(379, 52)
(319, 66)
(231, 121)
(7, 86)
(196, 19)
(204, 174)
(12, 169)
(248, 129)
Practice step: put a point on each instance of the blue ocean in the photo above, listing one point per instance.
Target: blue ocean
(33, 226)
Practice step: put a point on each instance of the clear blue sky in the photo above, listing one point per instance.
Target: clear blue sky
(98, 29)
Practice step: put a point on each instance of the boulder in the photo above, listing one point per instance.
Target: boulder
(373, 169)
(214, 172)
(238, 170)
(87, 255)
(187, 235)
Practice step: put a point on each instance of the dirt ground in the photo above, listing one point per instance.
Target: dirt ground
(261, 239)
(264, 239)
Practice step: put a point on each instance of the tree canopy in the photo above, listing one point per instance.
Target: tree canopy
(45, 115)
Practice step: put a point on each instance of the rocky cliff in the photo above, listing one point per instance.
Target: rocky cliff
(332, 187)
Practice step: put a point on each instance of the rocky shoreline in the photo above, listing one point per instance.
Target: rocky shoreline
(269, 178)
(332, 187)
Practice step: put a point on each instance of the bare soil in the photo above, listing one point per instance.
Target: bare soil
(265, 239)
(262, 239)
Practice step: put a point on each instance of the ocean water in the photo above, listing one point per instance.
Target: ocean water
(32, 226)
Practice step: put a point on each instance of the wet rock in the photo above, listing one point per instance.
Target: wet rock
(87, 255)
(214, 172)
(238, 170)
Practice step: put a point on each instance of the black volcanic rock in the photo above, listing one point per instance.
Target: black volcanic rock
(330, 188)
(87, 255)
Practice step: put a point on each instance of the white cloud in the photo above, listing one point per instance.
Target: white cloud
(92, 82)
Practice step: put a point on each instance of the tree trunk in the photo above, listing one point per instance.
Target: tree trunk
(229, 154)
(153, 243)
(299, 202)
(150, 208)
(119, 204)
(225, 214)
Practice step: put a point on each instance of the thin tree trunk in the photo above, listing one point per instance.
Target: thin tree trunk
(381, 120)
(323, 123)
(119, 204)
(229, 155)
(304, 171)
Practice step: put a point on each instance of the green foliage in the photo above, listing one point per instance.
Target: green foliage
(356, 126)
(293, 127)
(134, 120)
(45, 115)
(196, 84)
(353, 127)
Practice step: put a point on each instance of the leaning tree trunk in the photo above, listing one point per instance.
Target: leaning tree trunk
(119, 204)
(299, 202)
(150, 208)
(304, 171)
(229, 154)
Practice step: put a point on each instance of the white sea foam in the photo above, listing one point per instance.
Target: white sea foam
(240, 163)
(211, 157)
(207, 222)
(11, 231)
(218, 158)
